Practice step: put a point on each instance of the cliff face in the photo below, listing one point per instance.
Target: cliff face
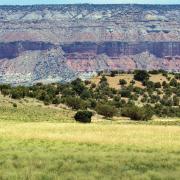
(64, 41)
(116, 49)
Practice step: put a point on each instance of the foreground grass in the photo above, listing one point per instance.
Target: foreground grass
(95, 151)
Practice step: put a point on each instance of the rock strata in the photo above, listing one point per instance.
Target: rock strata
(61, 42)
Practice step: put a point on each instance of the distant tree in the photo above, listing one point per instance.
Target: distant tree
(164, 84)
(132, 82)
(14, 105)
(85, 94)
(106, 110)
(87, 82)
(137, 113)
(122, 82)
(154, 72)
(93, 85)
(56, 100)
(103, 79)
(173, 82)
(148, 84)
(92, 103)
(141, 75)
(113, 73)
(17, 93)
(125, 93)
(78, 86)
(75, 103)
(138, 90)
(157, 85)
(176, 100)
(177, 76)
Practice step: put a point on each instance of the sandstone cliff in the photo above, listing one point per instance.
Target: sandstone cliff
(58, 43)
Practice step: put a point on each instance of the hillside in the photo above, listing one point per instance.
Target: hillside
(140, 95)
(59, 43)
(114, 81)
(32, 110)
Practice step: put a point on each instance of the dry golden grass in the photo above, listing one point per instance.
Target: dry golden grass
(114, 81)
(136, 135)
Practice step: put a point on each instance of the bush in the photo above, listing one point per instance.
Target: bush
(14, 105)
(122, 82)
(125, 93)
(173, 82)
(177, 76)
(83, 116)
(137, 113)
(157, 85)
(93, 85)
(141, 75)
(56, 100)
(78, 86)
(76, 103)
(113, 73)
(106, 110)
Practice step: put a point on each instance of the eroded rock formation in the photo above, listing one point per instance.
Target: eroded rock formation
(58, 43)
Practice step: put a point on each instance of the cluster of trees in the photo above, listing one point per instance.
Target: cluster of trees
(161, 99)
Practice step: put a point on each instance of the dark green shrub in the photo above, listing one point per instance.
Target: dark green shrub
(125, 93)
(87, 82)
(132, 82)
(157, 85)
(141, 75)
(113, 73)
(173, 82)
(56, 100)
(85, 94)
(78, 86)
(177, 76)
(83, 116)
(15, 105)
(93, 85)
(122, 82)
(175, 100)
(137, 113)
(92, 103)
(106, 110)
(75, 103)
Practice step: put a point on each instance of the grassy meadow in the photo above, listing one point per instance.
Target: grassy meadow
(44, 142)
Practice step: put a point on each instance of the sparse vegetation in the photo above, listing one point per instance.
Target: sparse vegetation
(141, 88)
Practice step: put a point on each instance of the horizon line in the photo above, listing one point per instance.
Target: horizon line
(87, 4)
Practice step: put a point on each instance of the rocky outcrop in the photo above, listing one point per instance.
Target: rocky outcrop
(59, 43)
(36, 66)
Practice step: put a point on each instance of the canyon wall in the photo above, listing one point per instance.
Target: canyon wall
(61, 42)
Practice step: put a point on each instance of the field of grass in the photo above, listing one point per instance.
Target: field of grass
(96, 151)
(44, 142)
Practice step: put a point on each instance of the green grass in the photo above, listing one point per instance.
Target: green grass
(36, 142)
(96, 151)
(30, 110)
